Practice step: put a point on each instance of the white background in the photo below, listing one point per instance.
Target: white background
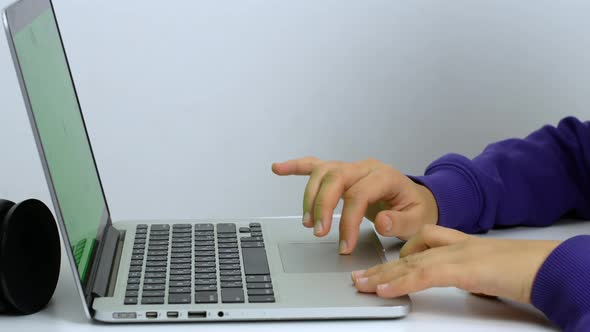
(189, 102)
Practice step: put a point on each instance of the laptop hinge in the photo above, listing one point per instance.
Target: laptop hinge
(100, 285)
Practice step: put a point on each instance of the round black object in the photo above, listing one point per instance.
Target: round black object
(30, 256)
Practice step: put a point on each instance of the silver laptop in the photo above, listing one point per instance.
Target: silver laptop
(156, 271)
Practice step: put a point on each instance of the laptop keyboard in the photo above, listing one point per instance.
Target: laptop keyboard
(198, 263)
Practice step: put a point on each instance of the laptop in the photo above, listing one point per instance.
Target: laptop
(172, 270)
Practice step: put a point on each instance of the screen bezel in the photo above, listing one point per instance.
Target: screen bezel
(15, 17)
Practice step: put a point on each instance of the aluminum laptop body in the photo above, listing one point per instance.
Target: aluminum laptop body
(172, 270)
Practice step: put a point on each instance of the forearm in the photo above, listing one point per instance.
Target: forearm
(532, 181)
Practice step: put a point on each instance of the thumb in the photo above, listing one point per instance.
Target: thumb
(402, 224)
(431, 236)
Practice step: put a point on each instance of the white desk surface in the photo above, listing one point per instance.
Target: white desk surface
(442, 309)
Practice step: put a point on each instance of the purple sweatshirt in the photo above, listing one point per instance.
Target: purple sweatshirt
(534, 182)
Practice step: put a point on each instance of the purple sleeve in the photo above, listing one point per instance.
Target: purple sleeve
(561, 288)
(532, 181)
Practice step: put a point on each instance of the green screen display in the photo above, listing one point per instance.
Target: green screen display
(62, 134)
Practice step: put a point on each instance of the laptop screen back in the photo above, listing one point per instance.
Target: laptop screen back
(60, 130)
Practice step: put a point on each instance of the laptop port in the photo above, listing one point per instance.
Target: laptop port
(172, 314)
(197, 314)
(151, 314)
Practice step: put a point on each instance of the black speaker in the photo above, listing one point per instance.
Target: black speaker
(30, 256)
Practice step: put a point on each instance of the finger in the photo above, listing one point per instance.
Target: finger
(379, 184)
(393, 270)
(402, 224)
(445, 275)
(310, 193)
(431, 236)
(301, 166)
(334, 183)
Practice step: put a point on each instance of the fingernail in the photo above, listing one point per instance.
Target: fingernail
(343, 247)
(382, 287)
(361, 281)
(306, 219)
(318, 227)
(358, 274)
(388, 225)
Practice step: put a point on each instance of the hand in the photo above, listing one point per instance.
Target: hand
(442, 257)
(397, 205)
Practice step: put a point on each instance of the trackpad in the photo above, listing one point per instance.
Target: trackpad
(310, 257)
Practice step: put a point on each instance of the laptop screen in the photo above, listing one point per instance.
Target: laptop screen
(69, 161)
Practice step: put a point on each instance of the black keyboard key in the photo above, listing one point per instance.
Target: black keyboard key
(206, 297)
(131, 293)
(181, 240)
(136, 262)
(229, 261)
(180, 250)
(159, 247)
(251, 239)
(260, 291)
(261, 299)
(156, 293)
(140, 236)
(229, 266)
(231, 278)
(227, 245)
(137, 257)
(205, 270)
(183, 290)
(203, 243)
(153, 287)
(152, 300)
(138, 252)
(204, 248)
(179, 298)
(255, 261)
(205, 275)
(156, 264)
(181, 226)
(134, 274)
(204, 233)
(131, 300)
(203, 227)
(253, 244)
(155, 269)
(254, 224)
(256, 234)
(201, 288)
(157, 258)
(259, 285)
(228, 240)
(155, 275)
(177, 245)
(158, 252)
(205, 259)
(155, 281)
(178, 283)
(232, 295)
(133, 281)
(160, 227)
(231, 284)
(181, 255)
(205, 282)
(133, 287)
(230, 272)
(228, 251)
(180, 260)
(226, 236)
(244, 230)
(180, 272)
(180, 277)
(135, 268)
(226, 228)
(204, 264)
(204, 238)
(204, 253)
(224, 256)
(180, 266)
(258, 278)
